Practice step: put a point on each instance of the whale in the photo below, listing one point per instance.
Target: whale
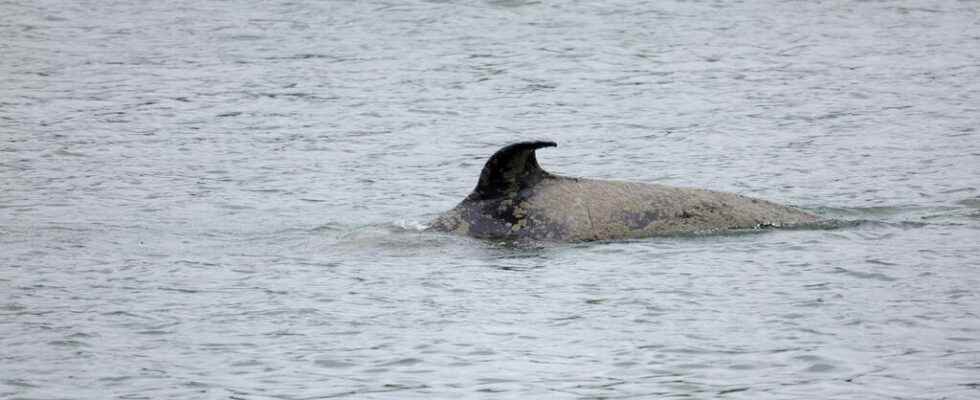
(515, 199)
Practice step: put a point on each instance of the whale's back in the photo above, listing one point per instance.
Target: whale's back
(586, 209)
(515, 198)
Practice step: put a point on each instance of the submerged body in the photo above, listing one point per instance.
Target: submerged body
(516, 199)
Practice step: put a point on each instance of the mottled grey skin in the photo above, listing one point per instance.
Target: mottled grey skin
(516, 199)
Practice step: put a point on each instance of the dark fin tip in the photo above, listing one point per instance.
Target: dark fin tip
(531, 145)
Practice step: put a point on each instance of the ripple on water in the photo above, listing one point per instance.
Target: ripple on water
(878, 276)
(334, 363)
(401, 362)
(816, 364)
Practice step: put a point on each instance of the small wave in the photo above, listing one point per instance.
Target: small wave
(865, 212)
(826, 224)
(410, 225)
(972, 202)
(401, 237)
(904, 216)
(328, 227)
(865, 275)
(334, 364)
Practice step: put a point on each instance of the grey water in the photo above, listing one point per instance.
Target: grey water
(206, 199)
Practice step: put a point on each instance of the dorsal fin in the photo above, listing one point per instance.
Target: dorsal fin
(510, 170)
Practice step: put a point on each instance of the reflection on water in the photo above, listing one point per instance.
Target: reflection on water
(204, 200)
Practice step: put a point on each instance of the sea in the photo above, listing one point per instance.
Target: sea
(228, 199)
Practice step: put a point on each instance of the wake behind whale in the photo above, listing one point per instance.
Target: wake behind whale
(516, 199)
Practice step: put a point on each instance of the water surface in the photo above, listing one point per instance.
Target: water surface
(225, 200)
